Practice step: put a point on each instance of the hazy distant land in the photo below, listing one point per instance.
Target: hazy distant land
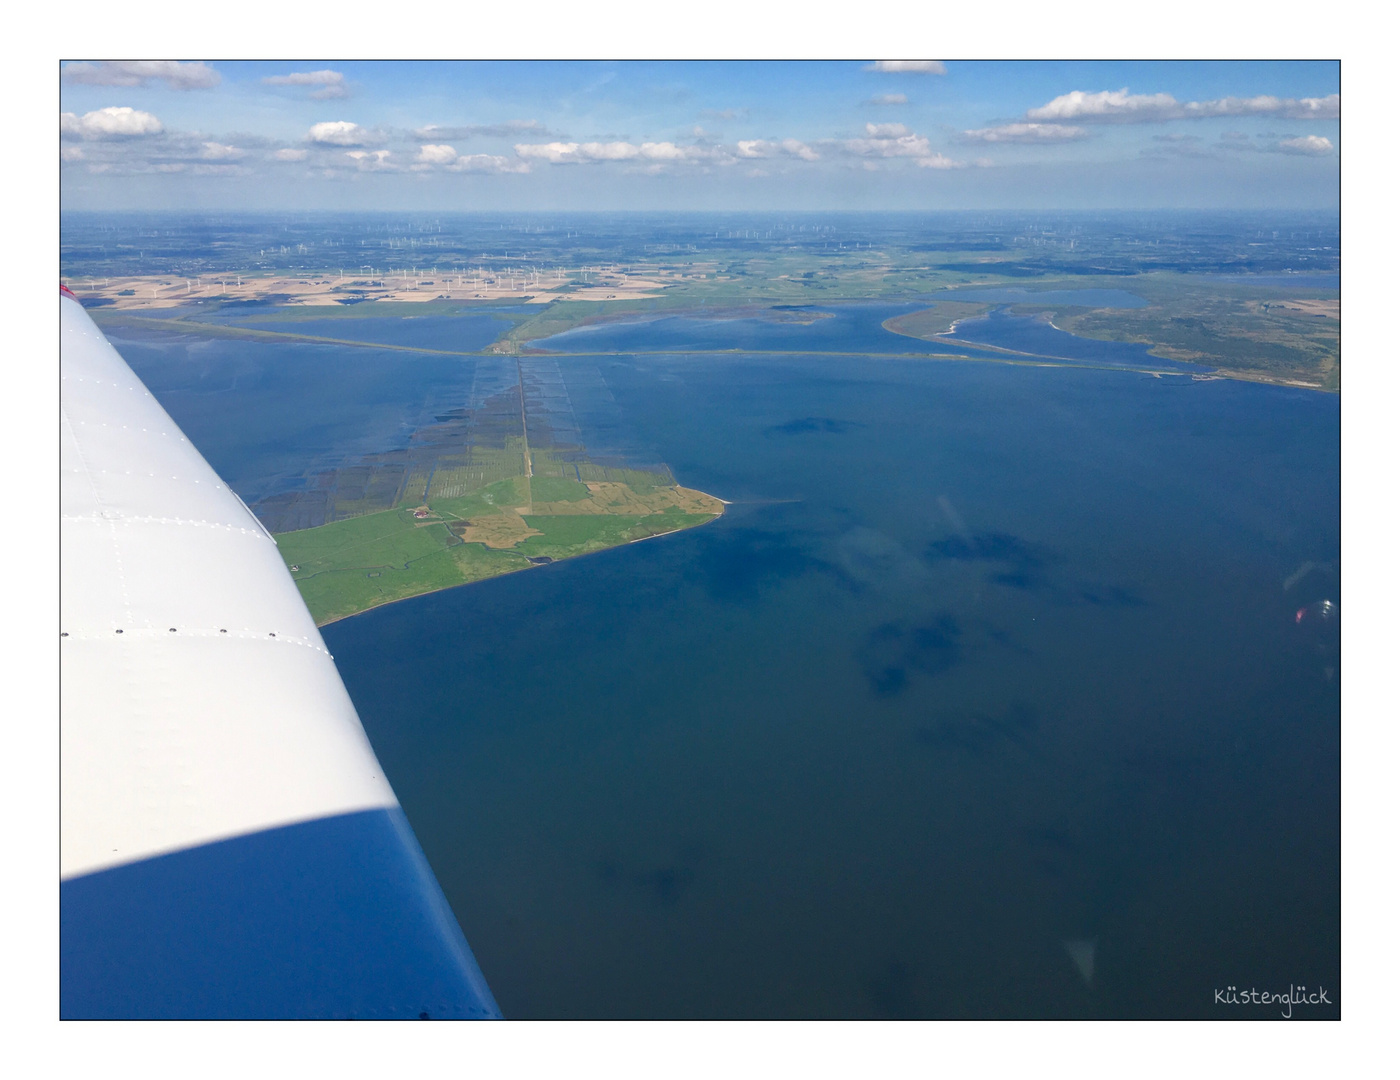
(1262, 330)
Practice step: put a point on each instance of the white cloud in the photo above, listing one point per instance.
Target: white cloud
(658, 154)
(572, 153)
(1325, 108)
(372, 160)
(289, 154)
(668, 151)
(1107, 105)
(175, 75)
(113, 122)
(432, 155)
(338, 133)
(665, 151)
(897, 141)
(760, 148)
(557, 153)
(1027, 133)
(488, 163)
(436, 154)
(887, 99)
(1307, 144)
(213, 151)
(72, 153)
(611, 151)
(331, 83)
(908, 145)
(921, 67)
(799, 149)
(1119, 106)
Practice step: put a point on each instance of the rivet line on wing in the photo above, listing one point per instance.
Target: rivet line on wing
(129, 633)
(147, 520)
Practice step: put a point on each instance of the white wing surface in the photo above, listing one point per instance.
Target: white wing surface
(204, 720)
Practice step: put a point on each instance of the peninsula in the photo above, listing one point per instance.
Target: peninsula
(420, 546)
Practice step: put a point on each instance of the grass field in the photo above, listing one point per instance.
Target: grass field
(1279, 335)
(352, 565)
(1245, 330)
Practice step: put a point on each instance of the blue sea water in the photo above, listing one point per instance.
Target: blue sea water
(983, 664)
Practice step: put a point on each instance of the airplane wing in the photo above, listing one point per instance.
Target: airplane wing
(230, 845)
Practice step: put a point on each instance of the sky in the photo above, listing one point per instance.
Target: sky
(727, 136)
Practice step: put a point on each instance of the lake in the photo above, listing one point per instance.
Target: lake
(987, 697)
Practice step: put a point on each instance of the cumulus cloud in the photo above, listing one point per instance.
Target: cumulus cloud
(113, 122)
(213, 151)
(1314, 145)
(436, 154)
(881, 142)
(175, 75)
(1120, 106)
(798, 149)
(887, 99)
(289, 154)
(655, 157)
(1027, 133)
(339, 133)
(760, 148)
(72, 153)
(921, 67)
(329, 84)
(896, 141)
(572, 153)
(886, 131)
(372, 160)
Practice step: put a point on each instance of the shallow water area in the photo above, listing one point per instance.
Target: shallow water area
(833, 328)
(1037, 336)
